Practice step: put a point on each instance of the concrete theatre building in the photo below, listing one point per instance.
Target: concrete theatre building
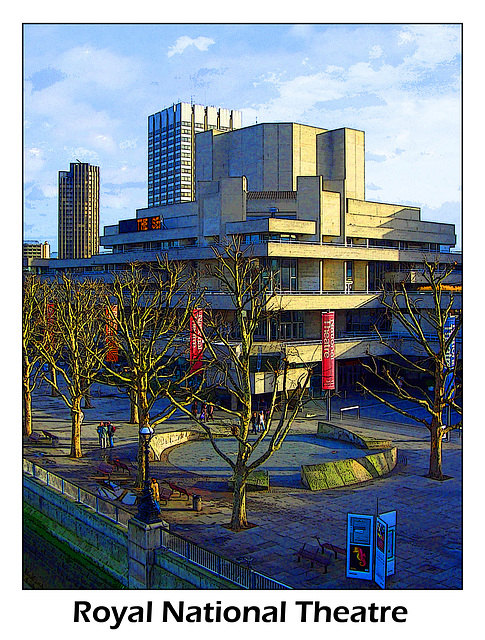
(296, 195)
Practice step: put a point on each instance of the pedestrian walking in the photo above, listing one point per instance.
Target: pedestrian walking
(100, 430)
(210, 412)
(203, 413)
(156, 491)
(261, 420)
(110, 432)
(254, 422)
(194, 408)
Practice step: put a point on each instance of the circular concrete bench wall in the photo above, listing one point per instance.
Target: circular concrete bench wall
(162, 441)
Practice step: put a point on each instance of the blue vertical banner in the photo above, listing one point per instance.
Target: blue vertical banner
(450, 355)
(380, 571)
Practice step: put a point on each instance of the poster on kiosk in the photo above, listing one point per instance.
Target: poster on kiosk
(385, 553)
(360, 552)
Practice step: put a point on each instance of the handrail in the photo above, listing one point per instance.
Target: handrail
(225, 568)
(356, 407)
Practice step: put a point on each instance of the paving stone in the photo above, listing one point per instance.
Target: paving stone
(428, 513)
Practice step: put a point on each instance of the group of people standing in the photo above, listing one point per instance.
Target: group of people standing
(258, 421)
(206, 411)
(106, 431)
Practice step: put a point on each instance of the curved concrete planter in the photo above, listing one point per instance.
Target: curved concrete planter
(342, 473)
(162, 441)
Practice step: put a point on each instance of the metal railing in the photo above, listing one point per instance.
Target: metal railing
(354, 408)
(230, 570)
(235, 572)
(102, 507)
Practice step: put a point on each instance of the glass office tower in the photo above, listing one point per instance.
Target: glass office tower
(171, 148)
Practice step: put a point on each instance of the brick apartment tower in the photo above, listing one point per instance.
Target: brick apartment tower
(78, 221)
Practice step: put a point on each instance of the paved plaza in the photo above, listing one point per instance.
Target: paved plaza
(429, 513)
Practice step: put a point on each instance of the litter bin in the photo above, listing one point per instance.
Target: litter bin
(196, 503)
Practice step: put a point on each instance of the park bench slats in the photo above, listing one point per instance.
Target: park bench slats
(314, 556)
(178, 489)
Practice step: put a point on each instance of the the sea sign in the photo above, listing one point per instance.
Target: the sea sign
(111, 329)
(328, 350)
(450, 355)
(360, 555)
(196, 340)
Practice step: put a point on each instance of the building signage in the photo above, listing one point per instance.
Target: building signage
(196, 340)
(360, 532)
(111, 329)
(50, 318)
(381, 553)
(152, 223)
(450, 355)
(328, 350)
(260, 354)
(390, 519)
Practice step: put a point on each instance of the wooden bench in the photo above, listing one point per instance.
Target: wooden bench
(180, 490)
(53, 438)
(121, 466)
(313, 556)
(106, 470)
(331, 547)
(165, 494)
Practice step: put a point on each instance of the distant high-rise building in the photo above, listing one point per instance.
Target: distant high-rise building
(36, 249)
(78, 230)
(171, 148)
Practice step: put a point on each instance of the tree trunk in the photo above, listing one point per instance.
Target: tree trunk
(52, 371)
(435, 456)
(27, 398)
(133, 407)
(76, 420)
(144, 421)
(87, 399)
(239, 520)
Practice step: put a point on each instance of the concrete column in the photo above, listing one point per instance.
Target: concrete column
(143, 539)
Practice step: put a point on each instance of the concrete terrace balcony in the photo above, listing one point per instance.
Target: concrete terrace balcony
(304, 300)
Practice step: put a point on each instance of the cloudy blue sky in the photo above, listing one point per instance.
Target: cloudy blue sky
(88, 90)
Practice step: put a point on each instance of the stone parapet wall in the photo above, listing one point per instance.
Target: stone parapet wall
(101, 540)
(132, 557)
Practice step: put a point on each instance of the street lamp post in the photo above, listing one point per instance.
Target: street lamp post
(148, 510)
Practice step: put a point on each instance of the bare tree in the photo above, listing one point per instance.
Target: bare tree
(427, 328)
(149, 307)
(74, 321)
(227, 364)
(32, 309)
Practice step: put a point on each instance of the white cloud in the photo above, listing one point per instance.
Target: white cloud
(376, 51)
(201, 43)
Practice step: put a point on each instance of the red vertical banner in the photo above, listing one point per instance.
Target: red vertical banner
(328, 350)
(196, 340)
(50, 319)
(111, 329)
